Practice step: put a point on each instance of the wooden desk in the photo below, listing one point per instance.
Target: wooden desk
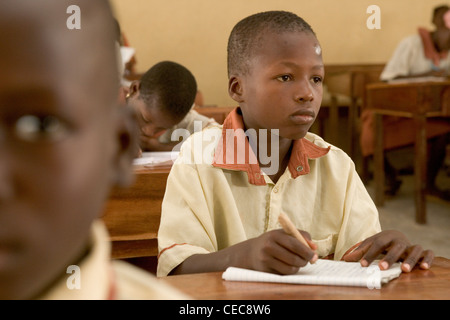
(349, 80)
(412, 100)
(132, 215)
(419, 284)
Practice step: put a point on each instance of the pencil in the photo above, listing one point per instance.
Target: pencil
(290, 229)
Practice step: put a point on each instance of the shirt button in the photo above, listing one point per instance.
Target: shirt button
(299, 168)
(275, 190)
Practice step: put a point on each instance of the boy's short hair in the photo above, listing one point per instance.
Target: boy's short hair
(438, 9)
(246, 36)
(172, 84)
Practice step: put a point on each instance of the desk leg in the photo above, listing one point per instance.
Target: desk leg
(378, 157)
(334, 121)
(420, 169)
(352, 117)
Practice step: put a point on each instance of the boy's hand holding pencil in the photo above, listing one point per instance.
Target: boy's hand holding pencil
(274, 251)
(281, 251)
(290, 229)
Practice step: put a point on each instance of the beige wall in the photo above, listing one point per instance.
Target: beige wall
(195, 32)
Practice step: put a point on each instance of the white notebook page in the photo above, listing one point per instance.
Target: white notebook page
(323, 272)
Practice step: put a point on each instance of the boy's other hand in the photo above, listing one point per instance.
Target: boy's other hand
(395, 247)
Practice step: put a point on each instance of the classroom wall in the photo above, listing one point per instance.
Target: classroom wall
(195, 32)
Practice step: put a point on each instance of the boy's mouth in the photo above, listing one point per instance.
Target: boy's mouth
(302, 117)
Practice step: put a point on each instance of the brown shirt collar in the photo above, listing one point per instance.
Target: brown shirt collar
(229, 153)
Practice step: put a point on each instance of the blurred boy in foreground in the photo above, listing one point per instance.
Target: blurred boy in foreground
(64, 143)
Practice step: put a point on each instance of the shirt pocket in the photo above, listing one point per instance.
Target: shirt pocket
(325, 246)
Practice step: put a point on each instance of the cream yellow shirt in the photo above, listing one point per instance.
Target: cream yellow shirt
(101, 279)
(207, 208)
(191, 122)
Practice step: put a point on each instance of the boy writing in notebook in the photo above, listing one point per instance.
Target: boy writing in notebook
(163, 99)
(229, 185)
(64, 143)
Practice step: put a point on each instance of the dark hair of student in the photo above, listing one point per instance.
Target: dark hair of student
(172, 85)
(437, 9)
(248, 33)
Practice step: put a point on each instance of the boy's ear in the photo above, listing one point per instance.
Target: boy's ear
(124, 93)
(134, 88)
(127, 142)
(235, 89)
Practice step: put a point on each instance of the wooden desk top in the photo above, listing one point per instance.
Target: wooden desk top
(419, 284)
(431, 98)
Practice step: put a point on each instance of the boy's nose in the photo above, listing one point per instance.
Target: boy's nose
(304, 92)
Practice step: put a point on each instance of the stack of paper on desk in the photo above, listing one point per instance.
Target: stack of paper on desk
(156, 158)
(418, 79)
(323, 272)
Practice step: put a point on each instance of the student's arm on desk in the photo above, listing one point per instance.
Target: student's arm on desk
(396, 247)
(274, 251)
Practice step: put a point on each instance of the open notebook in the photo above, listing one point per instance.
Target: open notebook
(323, 272)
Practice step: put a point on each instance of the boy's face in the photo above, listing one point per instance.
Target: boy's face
(283, 89)
(153, 121)
(59, 143)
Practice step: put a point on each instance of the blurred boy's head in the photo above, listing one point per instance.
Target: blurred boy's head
(275, 72)
(63, 141)
(438, 16)
(163, 96)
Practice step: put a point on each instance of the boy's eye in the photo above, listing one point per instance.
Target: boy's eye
(146, 121)
(284, 78)
(33, 128)
(317, 79)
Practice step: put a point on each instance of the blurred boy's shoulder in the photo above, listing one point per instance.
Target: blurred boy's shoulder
(97, 277)
(136, 284)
